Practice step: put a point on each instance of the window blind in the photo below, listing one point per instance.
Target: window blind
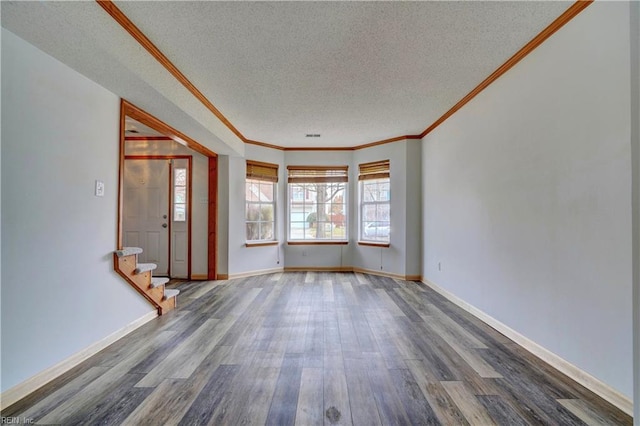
(318, 174)
(374, 170)
(262, 171)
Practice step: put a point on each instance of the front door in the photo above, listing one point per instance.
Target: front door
(146, 219)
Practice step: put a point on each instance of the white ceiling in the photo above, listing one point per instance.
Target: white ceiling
(354, 72)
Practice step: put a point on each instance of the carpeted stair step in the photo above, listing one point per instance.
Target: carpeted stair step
(128, 251)
(170, 292)
(144, 267)
(158, 281)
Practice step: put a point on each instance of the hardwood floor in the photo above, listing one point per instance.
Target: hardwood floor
(311, 349)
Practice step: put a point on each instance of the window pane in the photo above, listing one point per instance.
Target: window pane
(179, 213)
(297, 230)
(180, 177)
(253, 231)
(180, 194)
(266, 212)
(266, 191)
(252, 189)
(369, 190)
(385, 190)
(382, 212)
(369, 212)
(252, 212)
(266, 231)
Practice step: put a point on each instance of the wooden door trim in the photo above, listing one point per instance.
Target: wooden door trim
(160, 126)
(213, 221)
(130, 110)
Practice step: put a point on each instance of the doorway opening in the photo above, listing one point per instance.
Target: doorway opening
(156, 201)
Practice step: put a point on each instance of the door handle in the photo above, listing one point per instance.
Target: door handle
(164, 225)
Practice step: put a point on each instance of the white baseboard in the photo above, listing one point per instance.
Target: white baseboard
(585, 379)
(254, 273)
(318, 269)
(386, 274)
(351, 269)
(21, 390)
(379, 273)
(323, 269)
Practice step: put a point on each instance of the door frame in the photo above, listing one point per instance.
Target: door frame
(127, 109)
(189, 159)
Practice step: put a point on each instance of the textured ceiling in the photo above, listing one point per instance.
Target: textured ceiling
(354, 72)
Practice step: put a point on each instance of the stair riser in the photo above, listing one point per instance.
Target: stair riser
(167, 305)
(126, 266)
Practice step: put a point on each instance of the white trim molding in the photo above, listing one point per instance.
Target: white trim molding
(323, 269)
(21, 390)
(585, 379)
(254, 273)
(354, 269)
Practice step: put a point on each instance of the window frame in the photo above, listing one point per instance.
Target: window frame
(260, 173)
(303, 177)
(374, 171)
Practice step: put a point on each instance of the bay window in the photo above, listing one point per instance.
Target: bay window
(317, 203)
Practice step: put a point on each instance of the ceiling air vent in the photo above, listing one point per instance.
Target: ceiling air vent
(312, 135)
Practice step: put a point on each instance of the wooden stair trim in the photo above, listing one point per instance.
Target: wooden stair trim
(126, 267)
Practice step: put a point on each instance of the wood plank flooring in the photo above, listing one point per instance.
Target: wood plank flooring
(313, 349)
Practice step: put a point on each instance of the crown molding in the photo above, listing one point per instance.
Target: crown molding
(558, 23)
(148, 45)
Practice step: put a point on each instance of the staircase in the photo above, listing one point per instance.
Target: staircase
(139, 275)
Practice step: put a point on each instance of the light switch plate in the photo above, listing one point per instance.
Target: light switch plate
(99, 188)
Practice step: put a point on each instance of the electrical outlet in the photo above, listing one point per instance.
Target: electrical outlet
(304, 253)
(439, 267)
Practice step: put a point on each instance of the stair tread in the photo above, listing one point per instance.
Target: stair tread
(158, 281)
(128, 251)
(145, 267)
(170, 292)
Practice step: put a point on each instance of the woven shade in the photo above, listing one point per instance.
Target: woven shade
(262, 171)
(374, 170)
(318, 174)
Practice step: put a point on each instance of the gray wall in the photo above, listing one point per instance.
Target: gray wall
(635, 152)
(59, 291)
(403, 255)
(244, 259)
(527, 201)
